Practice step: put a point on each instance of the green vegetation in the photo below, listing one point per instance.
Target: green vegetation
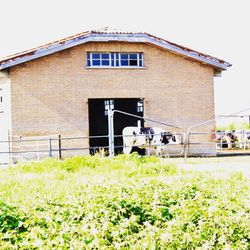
(246, 126)
(128, 202)
(233, 126)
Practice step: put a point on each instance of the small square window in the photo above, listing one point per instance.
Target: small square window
(95, 56)
(105, 62)
(108, 104)
(133, 62)
(133, 56)
(124, 56)
(140, 106)
(96, 62)
(105, 56)
(124, 62)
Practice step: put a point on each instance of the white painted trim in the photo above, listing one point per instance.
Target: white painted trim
(117, 67)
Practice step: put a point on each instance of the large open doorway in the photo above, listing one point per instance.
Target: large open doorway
(98, 121)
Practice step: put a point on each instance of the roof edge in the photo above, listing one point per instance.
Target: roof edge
(100, 36)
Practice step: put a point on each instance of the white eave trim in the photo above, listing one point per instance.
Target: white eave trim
(190, 54)
(102, 37)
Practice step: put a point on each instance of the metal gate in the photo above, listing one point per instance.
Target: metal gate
(178, 150)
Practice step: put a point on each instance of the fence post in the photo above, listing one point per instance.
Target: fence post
(186, 145)
(59, 147)
(21, 148)
(9, 145)
(243, 138)
(221, 141)
(50, 147)
(111, 132)
(37, 149)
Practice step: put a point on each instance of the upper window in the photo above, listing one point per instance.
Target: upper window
(108, 104)
(111, 59)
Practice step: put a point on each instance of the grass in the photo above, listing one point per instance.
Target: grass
(130, 202)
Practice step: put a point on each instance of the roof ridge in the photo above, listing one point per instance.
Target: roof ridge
(112, 30)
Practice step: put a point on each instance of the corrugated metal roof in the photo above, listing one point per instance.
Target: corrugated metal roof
(106, 35)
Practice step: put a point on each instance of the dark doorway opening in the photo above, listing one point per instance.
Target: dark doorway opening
(98, 121)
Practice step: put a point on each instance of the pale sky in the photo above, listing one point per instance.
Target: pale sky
(216, 27)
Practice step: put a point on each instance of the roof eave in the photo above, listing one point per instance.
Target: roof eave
(107, 37)
(192, 55)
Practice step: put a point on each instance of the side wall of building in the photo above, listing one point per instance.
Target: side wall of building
(5, 116)
(50, 94)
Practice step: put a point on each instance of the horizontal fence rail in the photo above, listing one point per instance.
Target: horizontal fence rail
(21, 149)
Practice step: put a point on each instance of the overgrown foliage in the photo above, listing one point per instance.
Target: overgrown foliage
(128, 202)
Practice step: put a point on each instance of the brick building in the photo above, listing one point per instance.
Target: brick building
(64, 87)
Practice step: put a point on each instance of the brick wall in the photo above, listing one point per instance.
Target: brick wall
(50, 94)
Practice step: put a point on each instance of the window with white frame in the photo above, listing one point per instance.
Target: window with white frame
(113, 59)
(108, 104)
(140, 106)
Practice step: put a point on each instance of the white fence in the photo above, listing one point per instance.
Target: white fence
(22, 149)
(192, 143)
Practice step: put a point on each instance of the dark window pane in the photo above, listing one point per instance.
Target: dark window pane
(105, 62)
(88, 63)
(133, 56)
(112, 55)
(140, 55)
(124, 62)
(140, 63)
(96, 62)
(105, 56)
(95, 55)
(117, 63)
(112, 63)
(124, 56)
(88, 55)
(133, 62)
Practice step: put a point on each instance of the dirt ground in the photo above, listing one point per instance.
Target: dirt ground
(215, 164)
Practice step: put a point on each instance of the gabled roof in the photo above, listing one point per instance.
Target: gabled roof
(110, 36)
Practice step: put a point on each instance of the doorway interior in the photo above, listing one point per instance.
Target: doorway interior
(98, 121)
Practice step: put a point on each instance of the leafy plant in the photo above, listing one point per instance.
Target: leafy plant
(128, 202)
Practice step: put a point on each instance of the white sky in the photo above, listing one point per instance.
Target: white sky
(216, 27)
